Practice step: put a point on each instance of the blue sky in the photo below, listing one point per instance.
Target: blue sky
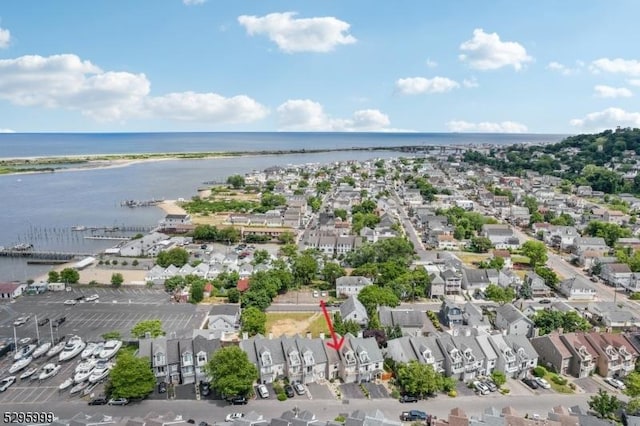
(334, 65)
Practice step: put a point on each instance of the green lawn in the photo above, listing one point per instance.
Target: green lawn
(556, 387)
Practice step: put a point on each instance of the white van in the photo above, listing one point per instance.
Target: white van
(263, 391)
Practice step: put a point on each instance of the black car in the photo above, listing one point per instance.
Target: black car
(59, 321)
(531, 383)
(408, 398)
(162, 387)
(100, 400)
(191, 421)
(288, 389)
(205, 388)
(238, 400)
(544, 301)
(43, 321)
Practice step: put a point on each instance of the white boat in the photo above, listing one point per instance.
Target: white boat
(28, 373)
(41, 350)
(89, 389)
(99, 348)
(111, 347)
(49, 370)
(83, 373)
(20, 364)
(100, 373)
(74, 346)
(24, 352)
(86, 364)
(68, 382)
(88, 350)
(55, 350)
(79, 228)
(80, 386)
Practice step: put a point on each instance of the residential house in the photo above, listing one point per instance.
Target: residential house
(505, 255)
(12, 290)
(187, 361)
(353, 310)
(501, 236)
(612, 315)
(490, 359)
(452, 281)
(584, 357)
(454, 363)
(513, 321)
(267, 355)
(507, 361)
(477, 280)
(616, 356)
(223, 319)
(450, 314)
(616, 274)
(410, 321)
(553, 352)
(472, 316)
(437, 288)
(537, 285)
(351, 285)
(577, 288)
(314, 359)
(583, 244)
(142, 246)
(203, 349)
(472, 355)
(526, 355)
(293, 359)
(362, 360)
(422, 349)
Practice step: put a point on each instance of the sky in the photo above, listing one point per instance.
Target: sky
(545, 66)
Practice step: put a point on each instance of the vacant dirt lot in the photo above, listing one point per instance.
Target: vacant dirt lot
(292, 323)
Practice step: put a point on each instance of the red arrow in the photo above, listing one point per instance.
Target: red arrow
(336, 344)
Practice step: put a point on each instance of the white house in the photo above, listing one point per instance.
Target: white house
(351, 286)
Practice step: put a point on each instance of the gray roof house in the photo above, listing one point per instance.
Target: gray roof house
(224, 319)
(577, 288)
(361, 359)
(526, 355)
(490, 358)
(454, 364)
(267, 355)
(513, 321)
(473, 317)
(351, 285)
(353, 310)
(314, 359)
(450, 314)
(423, 349)
(472, 355)
(475, 279)
(410, 321)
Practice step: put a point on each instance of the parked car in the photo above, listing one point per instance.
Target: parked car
(408, 398)
(618, 384)
(263, 391)
(43, 321)
(205, 388)
(299, 388)
(70, 302)
(100, 400)
(162, 387)
(544, 301)
(542, 383)
(288, 389)
(237, 400)
(233, 416)
(59, 321)
(118, 401)
(21, 320)
(92, 297)
(6, 382)
(531, 383)
(490, 384)
(413, 415)
(480, 387)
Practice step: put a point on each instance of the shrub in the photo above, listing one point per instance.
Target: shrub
(340, 419)
(114, 262)
(635, 296)
(125, 263)
(452, 393)
(395, 394)
(93, 282)
(572, 386)
(282, 397)
(505, 391)
(101, 262)
(539, 371)
(135, 262)
(558, 380)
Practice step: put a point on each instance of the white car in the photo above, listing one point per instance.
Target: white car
(233, 416)
(542, 383)
(263, 391)
(92, 298)
(70, 302)
(21, 320)
(6, 382)
(618, 384)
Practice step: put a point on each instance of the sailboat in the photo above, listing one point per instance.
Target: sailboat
(41, 350)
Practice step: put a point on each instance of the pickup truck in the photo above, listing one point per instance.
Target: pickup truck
(413, 415)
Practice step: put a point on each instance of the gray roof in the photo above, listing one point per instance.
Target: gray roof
(510, 313)
(485, 345)
(401, 349)
(368, 344)
(224, 309)
(273, 346)
(249, 348)
(353, 281)
(352, 304)
(476, 275)
(173, 355)
(420, 343)
(519, 341)
(464, 342)
(391, 317)
(316, 346)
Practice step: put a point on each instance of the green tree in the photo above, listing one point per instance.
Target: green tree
(480, 244)
(236, 181)
(548, 275)
(322, 187)
(604, 404)
(536, 251)
(233, 295)
(373, 296)
(196, 291)
(498, 294)
(153, 327)
(549, 320)
(54, 277)
(131, 377)
(286, 237)
(260, 257)
(304, 268)
(253, 321)
(69, 276)
(341, 213)
(611, 232)
(112, 335)
(117, 279)
(632, 381)
(499, 378)
(331, 272)
(174, 282)
(289, 250)
(176, 256)
(343, 327)
(231, 372)
(420, 379)
(315, 203)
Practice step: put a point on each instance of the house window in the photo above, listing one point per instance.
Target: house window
(160, 358)
(202, 358)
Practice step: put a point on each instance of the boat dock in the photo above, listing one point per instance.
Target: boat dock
(41, 255)
(141, 203)
(107, 237)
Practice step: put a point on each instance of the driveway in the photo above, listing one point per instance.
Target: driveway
(464, 390)
(351, 391)
(590, 385)
(376, 391)
(318, 391)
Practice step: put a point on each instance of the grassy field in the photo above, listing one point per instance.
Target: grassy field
(291, 323)
(517, 258)
(472, 258)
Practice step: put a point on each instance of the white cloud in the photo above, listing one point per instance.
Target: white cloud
(616, 66)
(418, 85)
(293, 35)
(608, 119)
(193, 2)
(307, 115)
(431, 64)
(7, 130)
(5, 38)
(634, 82)
(66, 81)
(603, 91)
(487, 52)
(562, 69)
(470, 82)
(486, 127)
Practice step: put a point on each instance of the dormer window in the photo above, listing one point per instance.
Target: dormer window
(202, 358)
(522, 354)
(583, 353)
(187, 358)
(469, 355)
(455, 355)
(624, 352)
(159, 358)
(427, 356)
(265, 357)
(350, 358)
(294, 358)
(308, 358)
(364, 357)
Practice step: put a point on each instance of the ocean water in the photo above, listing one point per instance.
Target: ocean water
(41, 208)
(53, 144)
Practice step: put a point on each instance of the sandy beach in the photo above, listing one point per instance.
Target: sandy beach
(101, 275)
(171, 207)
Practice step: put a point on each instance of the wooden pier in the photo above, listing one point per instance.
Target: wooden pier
(42, 255)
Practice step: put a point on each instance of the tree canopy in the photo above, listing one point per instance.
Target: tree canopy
(536, 251)
(604, 404)
(253, 321)
(153, 327)
(549, 320)
(231, 373)
(69, 275)
(131, 377)
(176, 256)
(498, 294)
(418, 379)
(373, 296)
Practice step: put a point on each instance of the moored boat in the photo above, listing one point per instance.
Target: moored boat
(28, 373)
(48, 370)
(80, 386)
(64, 385)
(55, 350)
(72, 348)
(24, 352)
(111, 347)
(20, 364)
(41, 350)
(88, 350)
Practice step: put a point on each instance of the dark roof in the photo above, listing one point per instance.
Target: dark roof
(226, 309)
